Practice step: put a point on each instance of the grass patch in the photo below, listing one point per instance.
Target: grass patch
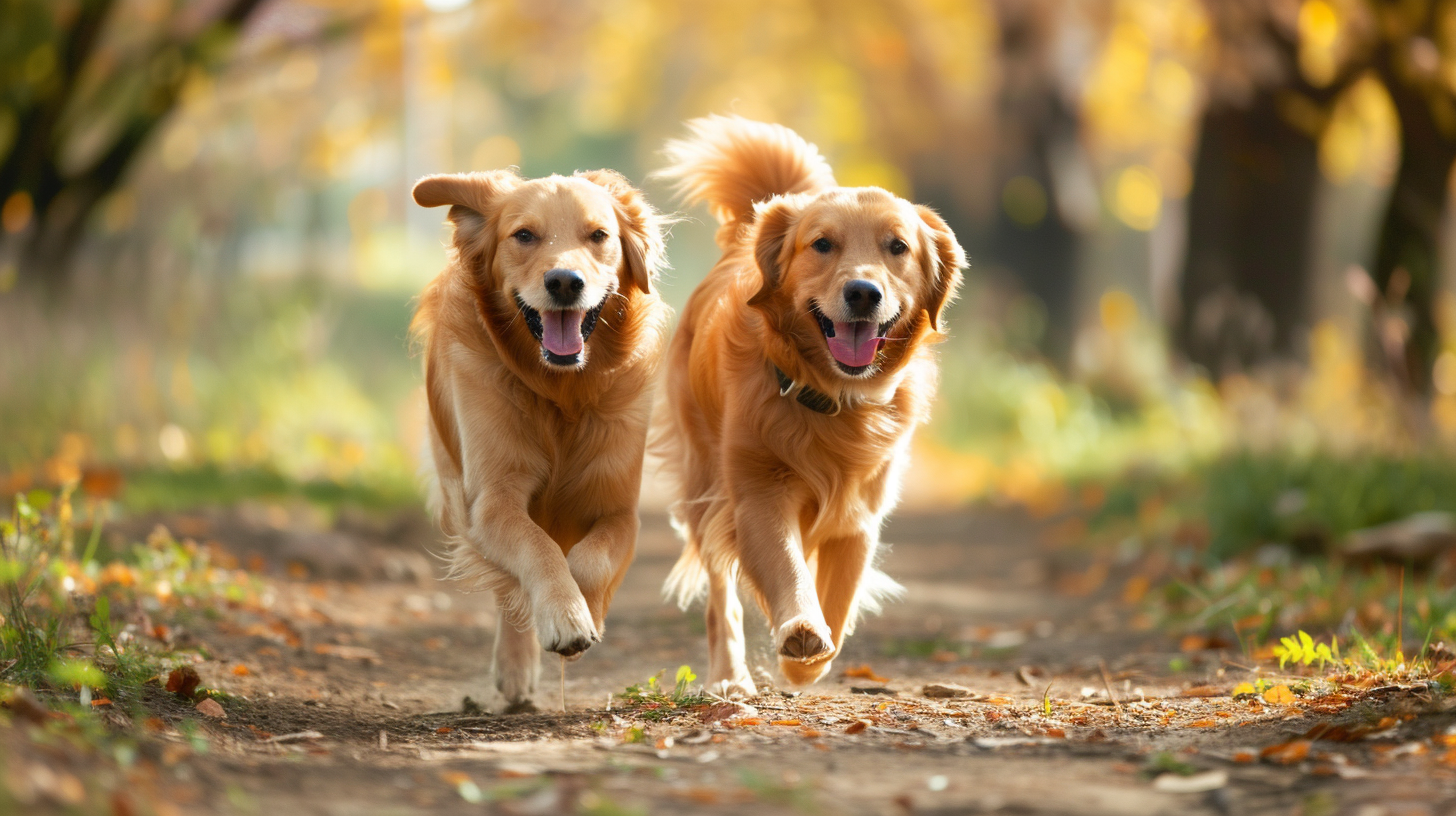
(1251, 544)
(166, 489)
(63, 603)
(651, 701)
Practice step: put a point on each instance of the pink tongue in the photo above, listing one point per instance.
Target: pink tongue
(855, 344)
(561, 332)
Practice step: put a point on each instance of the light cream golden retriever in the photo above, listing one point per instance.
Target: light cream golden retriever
(800, 368)
(540, 342)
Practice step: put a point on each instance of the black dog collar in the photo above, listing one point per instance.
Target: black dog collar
(806, 396)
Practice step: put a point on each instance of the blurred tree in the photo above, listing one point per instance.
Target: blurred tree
(1416, 59)
(1277, 71)
(1041, 165)
(86, 84)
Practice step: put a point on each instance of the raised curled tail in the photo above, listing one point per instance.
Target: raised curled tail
(730, 162)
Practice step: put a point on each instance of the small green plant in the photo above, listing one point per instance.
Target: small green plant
(651, 701)
(1167, 762)
(1302, 649)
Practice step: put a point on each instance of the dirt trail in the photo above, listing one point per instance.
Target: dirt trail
(378, 669)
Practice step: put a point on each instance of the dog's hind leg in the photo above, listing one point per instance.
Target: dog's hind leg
(516, 661)
(727, 667)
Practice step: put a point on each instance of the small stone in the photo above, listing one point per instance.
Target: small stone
(209, 708)
(1197, 783)
(946, 691)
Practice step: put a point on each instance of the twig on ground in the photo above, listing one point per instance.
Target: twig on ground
(1107, 684)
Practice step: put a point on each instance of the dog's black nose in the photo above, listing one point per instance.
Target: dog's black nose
(565, 285)
(861, 297)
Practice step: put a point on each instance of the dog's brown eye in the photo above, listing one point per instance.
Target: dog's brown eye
(599, 236)
(898, 247)
(524, 236)
(823, 246)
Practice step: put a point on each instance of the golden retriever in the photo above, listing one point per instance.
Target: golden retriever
(540, 341)
(800, 368)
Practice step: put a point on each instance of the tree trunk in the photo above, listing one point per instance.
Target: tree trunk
(1407, 268)
(1246, 285)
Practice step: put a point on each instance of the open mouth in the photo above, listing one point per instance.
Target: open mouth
(854, 343)
(562, 333)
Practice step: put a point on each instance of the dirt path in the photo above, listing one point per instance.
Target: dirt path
(369, 665)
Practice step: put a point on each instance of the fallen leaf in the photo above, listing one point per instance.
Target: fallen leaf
(241, 671)
(785, 722)
(210, 708)
(945, 691)
(100, 701)
(26, 705)
(1287, 753)
(1279, 695)
(726, 711)
(809, 733)
(183, 682)
(1244, 756)
(444, 729)
(864, 672)
(1203, 691)
(860, 725)
(1203, 724)
(1242, 689)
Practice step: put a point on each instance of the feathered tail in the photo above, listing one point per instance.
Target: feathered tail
(730, 163)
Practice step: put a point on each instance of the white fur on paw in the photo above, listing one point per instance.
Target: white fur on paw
(564, 626)
(739, 689)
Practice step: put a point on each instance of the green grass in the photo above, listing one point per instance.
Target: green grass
(1250, 545)
(1312, 502)
(169, 489)
(651, 701)
(61, 599)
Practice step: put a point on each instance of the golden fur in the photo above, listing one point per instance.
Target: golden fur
(792, 497)
(537, 466)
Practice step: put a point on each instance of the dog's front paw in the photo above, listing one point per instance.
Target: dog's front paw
(564, 624)
(800, 674)
(804, 640)
(740, 688)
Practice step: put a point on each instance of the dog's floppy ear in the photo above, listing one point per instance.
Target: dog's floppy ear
(472, 198)
(773, 246)
(644, 251)
(944, 260)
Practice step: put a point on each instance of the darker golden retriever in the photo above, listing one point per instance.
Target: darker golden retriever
(800, 368)
(540, 341)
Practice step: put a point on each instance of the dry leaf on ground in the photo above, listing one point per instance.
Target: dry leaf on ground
(864, 672)
(183, 682)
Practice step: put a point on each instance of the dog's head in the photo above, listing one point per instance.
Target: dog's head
(853, 268)
(556, 249)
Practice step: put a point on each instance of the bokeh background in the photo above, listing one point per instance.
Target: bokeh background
(1210, 241)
